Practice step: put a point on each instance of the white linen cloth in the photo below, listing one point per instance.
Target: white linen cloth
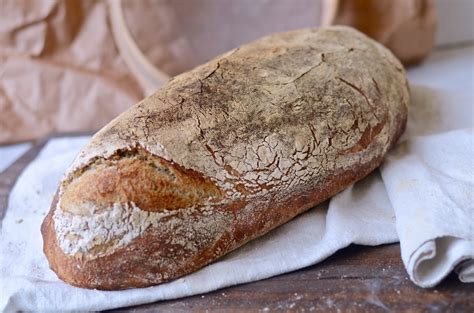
(430, 176)
(10, 153)
(422, 196)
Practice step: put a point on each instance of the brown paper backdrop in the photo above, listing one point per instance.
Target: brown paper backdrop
(407, 27)
(60, 69)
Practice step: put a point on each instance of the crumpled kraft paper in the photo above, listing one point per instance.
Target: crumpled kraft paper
(406, 27)
(61, 70)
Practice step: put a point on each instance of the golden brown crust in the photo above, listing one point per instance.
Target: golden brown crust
(150, 182)
(222, 155)
(123, 269)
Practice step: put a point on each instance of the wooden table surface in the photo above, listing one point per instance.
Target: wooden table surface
(355, 279)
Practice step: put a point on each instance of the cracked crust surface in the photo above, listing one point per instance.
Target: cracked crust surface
(223, 154)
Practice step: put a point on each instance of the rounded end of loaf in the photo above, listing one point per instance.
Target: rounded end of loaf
(96, 234)
(119, 270)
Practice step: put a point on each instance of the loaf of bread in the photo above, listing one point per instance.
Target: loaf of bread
(223, 154)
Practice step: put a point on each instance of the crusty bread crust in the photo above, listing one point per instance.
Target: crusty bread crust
(223, 154)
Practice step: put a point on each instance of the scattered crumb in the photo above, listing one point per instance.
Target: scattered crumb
(19, 221)
(329, 302)
(297, 296)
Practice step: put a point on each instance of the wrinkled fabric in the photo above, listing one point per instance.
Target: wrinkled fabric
(429, 176)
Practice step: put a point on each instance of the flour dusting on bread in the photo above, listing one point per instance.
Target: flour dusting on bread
(98, 234)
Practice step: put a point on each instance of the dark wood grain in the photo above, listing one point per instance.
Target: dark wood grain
(9, 176)
(356, 279)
